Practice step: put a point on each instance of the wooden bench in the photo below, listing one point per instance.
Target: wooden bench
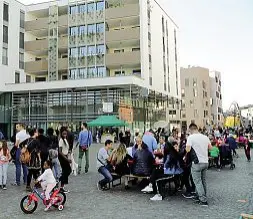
(246, 216)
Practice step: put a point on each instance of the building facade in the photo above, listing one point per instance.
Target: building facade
(83, 55)
(195, 89)
(247, 115)
(11, 54)
(216, 98)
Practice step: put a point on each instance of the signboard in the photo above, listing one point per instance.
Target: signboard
(107, 107)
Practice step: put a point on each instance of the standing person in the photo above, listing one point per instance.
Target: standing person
(1, 135)
(21, 136)
(64, 159)
(232, 144)
(44, 147)
(127, 137)
(103, 165)
(247, 148)
(200, 144)
(34, 165)
(150, 141)
(84, 141)
(4, 161)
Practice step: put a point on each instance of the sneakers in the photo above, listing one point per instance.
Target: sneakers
(64, 190)
(49, 204)
(15, 184)
(86, 171)
(4, 187)
(102, 188)
(188, 195)
(204, 204)
(99, 186)
(157, 197)
(148, 189)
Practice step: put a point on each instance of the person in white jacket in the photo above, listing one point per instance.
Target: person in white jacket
(47, 182)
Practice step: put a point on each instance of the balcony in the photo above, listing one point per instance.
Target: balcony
(123, 35)
(127, 59)
(41, 66)
(42, 23)
(128, 10)
(42, 45)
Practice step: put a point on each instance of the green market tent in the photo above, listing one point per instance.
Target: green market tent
(107, 121)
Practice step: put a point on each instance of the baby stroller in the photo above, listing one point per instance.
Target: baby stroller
(226, 157)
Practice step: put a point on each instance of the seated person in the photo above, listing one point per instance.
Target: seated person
(143, 159)
(160, 147)
(171, 167)
(104, 166)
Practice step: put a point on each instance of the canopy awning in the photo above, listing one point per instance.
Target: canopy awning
(107, 121)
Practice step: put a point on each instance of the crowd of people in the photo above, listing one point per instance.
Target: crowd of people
(155, 156)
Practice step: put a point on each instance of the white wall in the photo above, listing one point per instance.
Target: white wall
(157, 49)
(7, 73)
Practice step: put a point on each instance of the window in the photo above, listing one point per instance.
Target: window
(5, 56)
(100, 49)
(91, 28)
(194, 82)
(205, 93)
(135, 49)
(219, 82)
(118, 50)
(22, 19)
(92, 72)
(217, 94)
(149, 36)
(73, 31)
(163, 24)
(118, 73)
(150, 81)
(21, 40)
(183, 92)
(64, 77)
(150, 59)
(73, 52)
(21, 60)
(17, 77)
(101, 72)
(82, 30)
(73, 73)
(195, 92)
(82, 73)
(82, 9)
(187, 82)
(220, 97)
(82, 51)
(206, 103)
(5, 34)
(100, 28)
(195, 113)
(39, 79)
(91, 7)
(91, 50)
(172, 112)
(73, 9)
(28, 79)
(100, 6)
(204, 84)
(6, 12)
(149, 14)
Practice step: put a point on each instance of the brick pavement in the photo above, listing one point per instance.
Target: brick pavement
(225, 188)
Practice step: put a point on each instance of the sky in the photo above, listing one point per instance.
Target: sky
(216, 34)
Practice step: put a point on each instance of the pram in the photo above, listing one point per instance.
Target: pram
(226, 157)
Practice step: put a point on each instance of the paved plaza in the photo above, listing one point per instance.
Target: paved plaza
(227, 191)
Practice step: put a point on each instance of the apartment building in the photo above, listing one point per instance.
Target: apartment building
(216, 98)
(11, 54)
(81, 56)
(195, 89)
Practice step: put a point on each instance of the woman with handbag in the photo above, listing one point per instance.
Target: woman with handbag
(64, 158)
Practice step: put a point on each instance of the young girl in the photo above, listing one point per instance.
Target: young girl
(4, 161)
(48, 182)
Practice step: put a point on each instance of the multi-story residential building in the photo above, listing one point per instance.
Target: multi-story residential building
(86, 58)
(216, 98)
(195, 89)
(11, 54)
(246, 113)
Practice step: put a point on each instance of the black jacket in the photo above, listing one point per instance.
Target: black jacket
(123, 168)
(44, 144)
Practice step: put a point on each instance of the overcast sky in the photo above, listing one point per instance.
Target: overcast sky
(216, 34)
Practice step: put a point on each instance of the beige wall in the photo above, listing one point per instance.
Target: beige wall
(192, 80)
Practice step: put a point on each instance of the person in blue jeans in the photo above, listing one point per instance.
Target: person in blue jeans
(103, 165)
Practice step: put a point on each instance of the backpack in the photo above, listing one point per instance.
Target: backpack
(25, 156)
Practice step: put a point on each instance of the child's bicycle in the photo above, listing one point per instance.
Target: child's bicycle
(29, 203)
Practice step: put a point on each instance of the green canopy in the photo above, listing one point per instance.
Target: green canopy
(107, 121)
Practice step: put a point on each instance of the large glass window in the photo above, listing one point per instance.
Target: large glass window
(73, 9)
(17, 77)
(82, 51)
(83, 73)
(100, 49)
(101, 72)
(82, 30)
(91, 50)
(100, 6)
(5, 56)
(73, 52)
(5, 34)
(73, 31)
(21, 40)
(91, 7)
(21, 60)
(22, 19)
(100, 28)
(73, 73)
(91, 28)
(6, 12)
(82, 8)
(92, 72)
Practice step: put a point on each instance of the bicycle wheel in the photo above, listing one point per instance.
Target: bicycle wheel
(63, 197)
(28, 206)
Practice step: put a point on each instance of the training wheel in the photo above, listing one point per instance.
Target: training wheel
(60, 207)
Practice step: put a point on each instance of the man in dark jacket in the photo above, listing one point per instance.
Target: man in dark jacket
(44, 147)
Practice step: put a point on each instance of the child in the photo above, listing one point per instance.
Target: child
(215, 152)
(4, 161)
(48, 182)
